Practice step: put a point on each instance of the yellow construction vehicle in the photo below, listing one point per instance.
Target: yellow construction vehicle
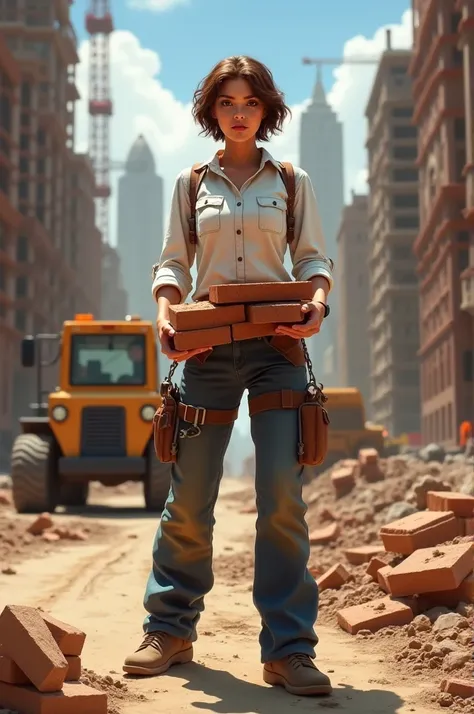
(349, 431)
(97, 425)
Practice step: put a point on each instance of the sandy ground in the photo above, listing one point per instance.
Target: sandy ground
(99, 587)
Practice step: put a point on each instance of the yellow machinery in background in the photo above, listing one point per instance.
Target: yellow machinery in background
(97, 425)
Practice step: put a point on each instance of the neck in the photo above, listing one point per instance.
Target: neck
(240, 154)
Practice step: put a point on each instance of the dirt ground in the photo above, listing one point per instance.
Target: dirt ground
(98, 586)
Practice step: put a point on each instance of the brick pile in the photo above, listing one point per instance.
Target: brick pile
(393, 554)
(238, 312)
(40, 665)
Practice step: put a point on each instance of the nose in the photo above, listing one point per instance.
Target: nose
(239, 115)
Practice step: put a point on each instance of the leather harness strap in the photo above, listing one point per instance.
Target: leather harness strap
(287, 174)
(199, 416)
(284, 399)
(197, 174)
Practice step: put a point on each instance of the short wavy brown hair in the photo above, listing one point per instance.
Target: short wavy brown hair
(260, 79)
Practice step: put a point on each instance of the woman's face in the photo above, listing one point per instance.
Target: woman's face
(238, 111)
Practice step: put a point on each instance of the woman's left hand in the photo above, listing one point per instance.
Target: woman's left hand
(314, 314)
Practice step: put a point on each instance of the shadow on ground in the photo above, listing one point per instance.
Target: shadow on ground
(110, 511)
(238, 696)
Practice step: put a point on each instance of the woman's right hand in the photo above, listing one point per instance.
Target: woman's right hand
(165, 335)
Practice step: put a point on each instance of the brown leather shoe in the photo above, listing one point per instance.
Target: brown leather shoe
(157, 653)
(298, 675)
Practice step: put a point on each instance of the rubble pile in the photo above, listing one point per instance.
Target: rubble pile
(392, 549)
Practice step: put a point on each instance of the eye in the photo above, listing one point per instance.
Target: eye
(225, 103)
(253, 103)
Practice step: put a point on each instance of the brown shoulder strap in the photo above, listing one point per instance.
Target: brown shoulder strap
(197, 174)
(288, 177)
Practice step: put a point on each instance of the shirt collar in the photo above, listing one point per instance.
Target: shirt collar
(213, 162)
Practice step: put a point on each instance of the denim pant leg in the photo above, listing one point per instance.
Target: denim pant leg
(285, 593)
(182, 551)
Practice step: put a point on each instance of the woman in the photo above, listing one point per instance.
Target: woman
(240, 238)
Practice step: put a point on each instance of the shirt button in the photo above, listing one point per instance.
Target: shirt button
(274, 203)
(239, 232)
(239, 259)
(239, 203)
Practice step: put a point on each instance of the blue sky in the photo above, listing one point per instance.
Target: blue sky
(190, 38)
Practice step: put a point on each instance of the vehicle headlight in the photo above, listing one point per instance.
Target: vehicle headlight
(147, 412)
(59, 413)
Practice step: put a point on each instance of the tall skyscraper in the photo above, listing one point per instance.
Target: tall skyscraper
(321, 156)
(140, 226)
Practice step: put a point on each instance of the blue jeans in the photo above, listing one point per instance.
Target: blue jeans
(285, 594)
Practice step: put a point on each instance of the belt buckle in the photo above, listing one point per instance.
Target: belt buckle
(199, 419)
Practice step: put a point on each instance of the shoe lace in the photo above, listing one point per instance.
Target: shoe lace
(153, 639)
(301, 660)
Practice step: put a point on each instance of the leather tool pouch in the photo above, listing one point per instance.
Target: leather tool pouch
(313, 427)
(313, 421)
(166, 423)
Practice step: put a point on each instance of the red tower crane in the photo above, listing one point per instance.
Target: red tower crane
(100, 25)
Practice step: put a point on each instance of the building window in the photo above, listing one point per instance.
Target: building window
(467, 365)
(460, 129)
(405, 200)
(405, 175)
(404, 153)
(404, 132)
(22, 249)
(404, 222)
(21, 290)
(25, 94)
(455, 21)
(459, 163)
(3, 278)
(20, 320)
(402, 112)
(463, 259)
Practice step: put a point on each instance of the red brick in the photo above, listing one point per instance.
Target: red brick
(463, 688)
(195, 339)
(40, 524)
(432, 569)
(75, 698)
(372, 473)
(70, 639)
(368, 456)
(261, 292)
(419, 530)
(460, 504)
(321, 536)
(468, 526)
(382, 577)
(333, 578)
(26, 639)
(343, 480)
(374, 615)
(451, 598)
(203, 314)
(374, 566)
(249, 331)
(363, 553)
(10, 673)
(279, 313)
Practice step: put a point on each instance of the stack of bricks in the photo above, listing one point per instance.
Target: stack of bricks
(239, 311)
(429, 575)
(40, 665)
(366, 468)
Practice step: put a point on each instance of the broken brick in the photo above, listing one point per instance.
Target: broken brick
(461, 504)
(40, 524)
(69, 639)
(321, 536)
(74, 698)
(343, 480)
(261, 292)
(333, 578)
(195, 339)
(382, 577)
(374, 566)
(29, 643)
(250, 331)
(452, 598)
(432, 569)
(463, 688)
(468, 526)
(363, 553)
(419, 530)
(203, 315)
(74, 668)
(279, 313)
(368, 456)
(374, 615)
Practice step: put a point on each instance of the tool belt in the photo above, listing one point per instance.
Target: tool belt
(312, 416)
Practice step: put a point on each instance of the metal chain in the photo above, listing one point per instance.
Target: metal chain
(314, 387)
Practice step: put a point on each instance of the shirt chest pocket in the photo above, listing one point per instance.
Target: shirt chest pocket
(208, 214)
(271, 214)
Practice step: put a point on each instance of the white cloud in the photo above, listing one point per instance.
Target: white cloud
(143, 105)
(155, 5)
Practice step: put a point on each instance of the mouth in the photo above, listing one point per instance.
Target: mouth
(239, 127)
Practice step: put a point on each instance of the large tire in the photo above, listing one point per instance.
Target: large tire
(74, 494)
(34, 473)
(157, 482)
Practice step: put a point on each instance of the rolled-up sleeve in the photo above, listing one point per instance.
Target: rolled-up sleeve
(178, 252)
(306, 248)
